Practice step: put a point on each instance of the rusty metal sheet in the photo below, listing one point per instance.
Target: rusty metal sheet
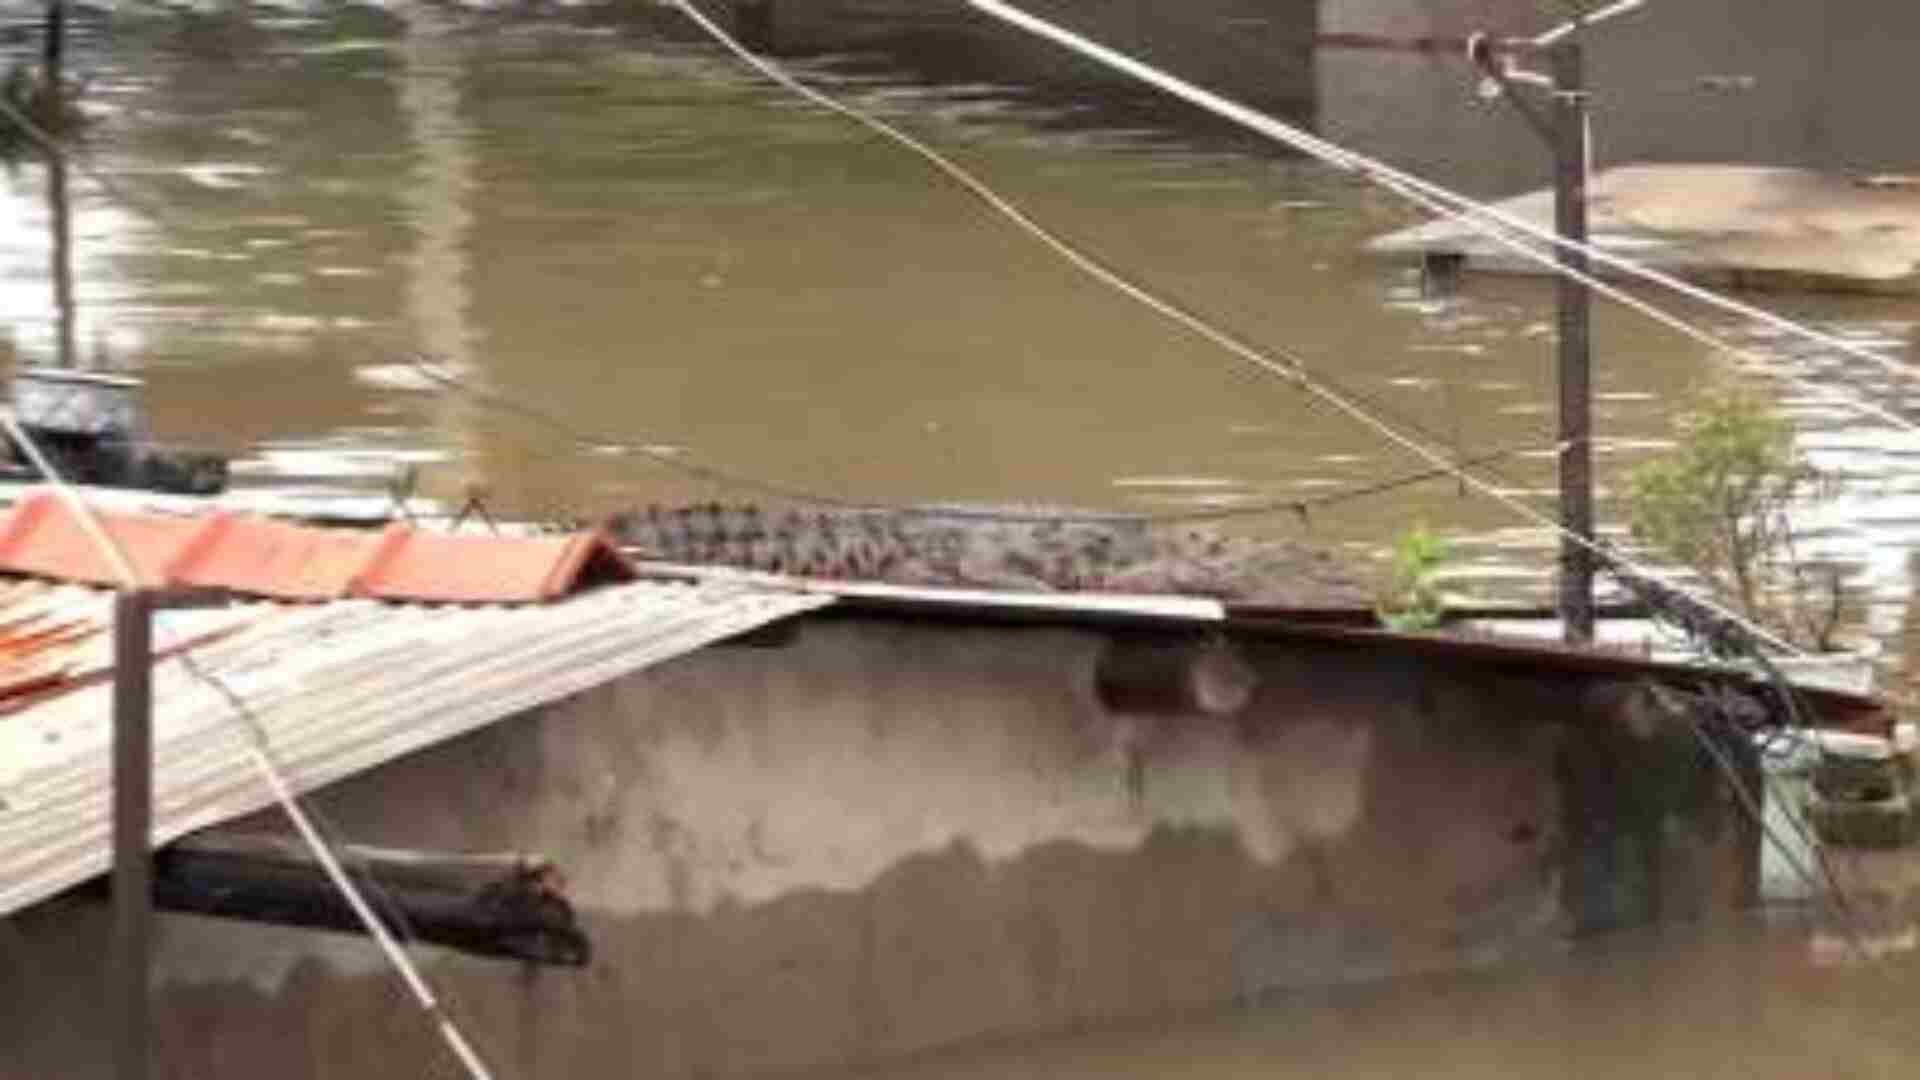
(1857, 712)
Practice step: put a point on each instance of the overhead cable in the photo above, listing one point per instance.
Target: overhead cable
(725, 478)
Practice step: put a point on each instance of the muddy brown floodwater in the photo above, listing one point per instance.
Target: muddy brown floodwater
(594, 214)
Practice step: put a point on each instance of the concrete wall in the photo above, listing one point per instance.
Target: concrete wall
(1813, 85)
(886, 837)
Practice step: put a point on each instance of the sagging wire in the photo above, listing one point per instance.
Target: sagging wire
(1066, 249)
(722, 477)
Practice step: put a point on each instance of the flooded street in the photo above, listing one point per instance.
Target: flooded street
(602, 220)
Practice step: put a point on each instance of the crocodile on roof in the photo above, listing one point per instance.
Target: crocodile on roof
(1016, 548)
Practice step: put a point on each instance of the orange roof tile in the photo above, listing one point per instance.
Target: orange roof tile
(415, 565)
(273, 558)
(41, 537)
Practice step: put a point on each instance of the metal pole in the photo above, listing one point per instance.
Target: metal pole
(1575, 342)
(132, 827)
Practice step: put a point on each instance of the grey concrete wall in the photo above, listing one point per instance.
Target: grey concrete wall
(889, 837)
(1826, 87)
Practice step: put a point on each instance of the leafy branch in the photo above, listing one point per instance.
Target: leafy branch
(1721, 504)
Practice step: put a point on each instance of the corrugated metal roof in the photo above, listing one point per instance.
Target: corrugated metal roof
(55, 637)
(338, 688)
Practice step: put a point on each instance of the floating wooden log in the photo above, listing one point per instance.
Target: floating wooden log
(1144, 676)
(508, 906)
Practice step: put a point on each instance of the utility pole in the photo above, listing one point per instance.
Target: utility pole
(1563, 127)
(1571, 163)
(132, 832)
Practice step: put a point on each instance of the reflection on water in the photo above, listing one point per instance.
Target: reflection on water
(597, 215)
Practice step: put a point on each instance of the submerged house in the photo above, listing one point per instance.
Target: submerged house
(807, 824)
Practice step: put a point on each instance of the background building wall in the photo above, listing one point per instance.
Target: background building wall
(1811, 85)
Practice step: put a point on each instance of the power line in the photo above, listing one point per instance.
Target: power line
(723, 477)
(1659, 314)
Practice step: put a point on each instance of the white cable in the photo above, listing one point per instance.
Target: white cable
(1287, 368)
(1666, 318)
(123, 566)
(1379, 171)
(1571, 25)
(258, 750)
(416, 983)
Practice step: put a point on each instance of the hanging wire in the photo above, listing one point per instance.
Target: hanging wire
(728, 478)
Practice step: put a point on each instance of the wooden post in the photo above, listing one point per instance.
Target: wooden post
(132, 828)
(1575, 343)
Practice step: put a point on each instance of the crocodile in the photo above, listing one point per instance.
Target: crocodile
(996, 547)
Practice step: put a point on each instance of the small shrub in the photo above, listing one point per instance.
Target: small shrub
(1720, 504)
(1411, 600)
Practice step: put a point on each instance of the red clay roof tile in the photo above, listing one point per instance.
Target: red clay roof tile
(42, 537)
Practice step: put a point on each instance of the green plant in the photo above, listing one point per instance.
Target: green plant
(1411, 600)
(1720, 503)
